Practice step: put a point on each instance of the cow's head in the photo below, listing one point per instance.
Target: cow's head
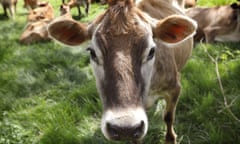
(122, 52)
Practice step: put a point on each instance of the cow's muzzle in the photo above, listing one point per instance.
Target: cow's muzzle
(130, 124)
(125, 132)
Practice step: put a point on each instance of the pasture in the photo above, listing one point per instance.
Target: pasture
(48, 93)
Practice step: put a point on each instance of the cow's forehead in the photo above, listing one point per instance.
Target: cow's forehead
(122, 30)
(128, 43)
(119, 20)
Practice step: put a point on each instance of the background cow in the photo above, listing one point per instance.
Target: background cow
(36, 27)
(9, 4)
(65, 10)
(220, 23)
(130, 52)
(30, 4)
(35, 32)
(78, 4)
(44, 11)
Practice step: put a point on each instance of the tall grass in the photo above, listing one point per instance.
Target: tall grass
(48, 93)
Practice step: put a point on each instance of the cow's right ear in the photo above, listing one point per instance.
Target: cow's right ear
(174, 29)
(68, 31)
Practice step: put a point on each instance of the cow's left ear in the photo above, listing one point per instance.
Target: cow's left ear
(68, 31)
(174, 29)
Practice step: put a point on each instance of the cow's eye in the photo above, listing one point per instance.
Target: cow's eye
(92, 54)
(151, 54)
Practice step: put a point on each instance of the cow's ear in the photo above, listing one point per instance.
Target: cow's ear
(68, 32)
(174, 29)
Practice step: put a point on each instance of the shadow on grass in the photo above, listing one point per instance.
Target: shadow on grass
(6, 17)
(3, 17)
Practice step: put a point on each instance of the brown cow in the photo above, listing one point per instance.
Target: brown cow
(220, 23)
(9, 4)
(44, 11)
(78, 4)
(65, 10)
(38, 19)
(35, 32)
(133, 54)
(30, 4)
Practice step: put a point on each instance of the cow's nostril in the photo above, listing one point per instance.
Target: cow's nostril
(113, 131)
(139, 130)
(124, 132)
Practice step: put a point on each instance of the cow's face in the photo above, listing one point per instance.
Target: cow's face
(123, 61)
(122, 54)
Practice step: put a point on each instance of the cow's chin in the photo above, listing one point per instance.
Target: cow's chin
(124, 124)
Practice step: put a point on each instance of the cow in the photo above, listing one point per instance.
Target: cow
(65, 10)
(35, 32)
(30, 4)
(44, 11)
(78, 4)
(219, 23)
(36, 28)
(9, 4)
(136, 56)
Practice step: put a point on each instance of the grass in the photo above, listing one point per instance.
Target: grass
(214, 2)
(208, 120)
(48, 93)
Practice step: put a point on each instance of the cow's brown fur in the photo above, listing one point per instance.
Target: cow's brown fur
(166, 79)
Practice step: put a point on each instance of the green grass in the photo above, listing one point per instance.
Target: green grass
(214, 2)
(205, 117)
(48, 93)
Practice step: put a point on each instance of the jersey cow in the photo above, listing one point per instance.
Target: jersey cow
(30, 4)
(220, 23)
(78, 3)
(44, 11)
(133, 55)
(9, 4)
(36, 28)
